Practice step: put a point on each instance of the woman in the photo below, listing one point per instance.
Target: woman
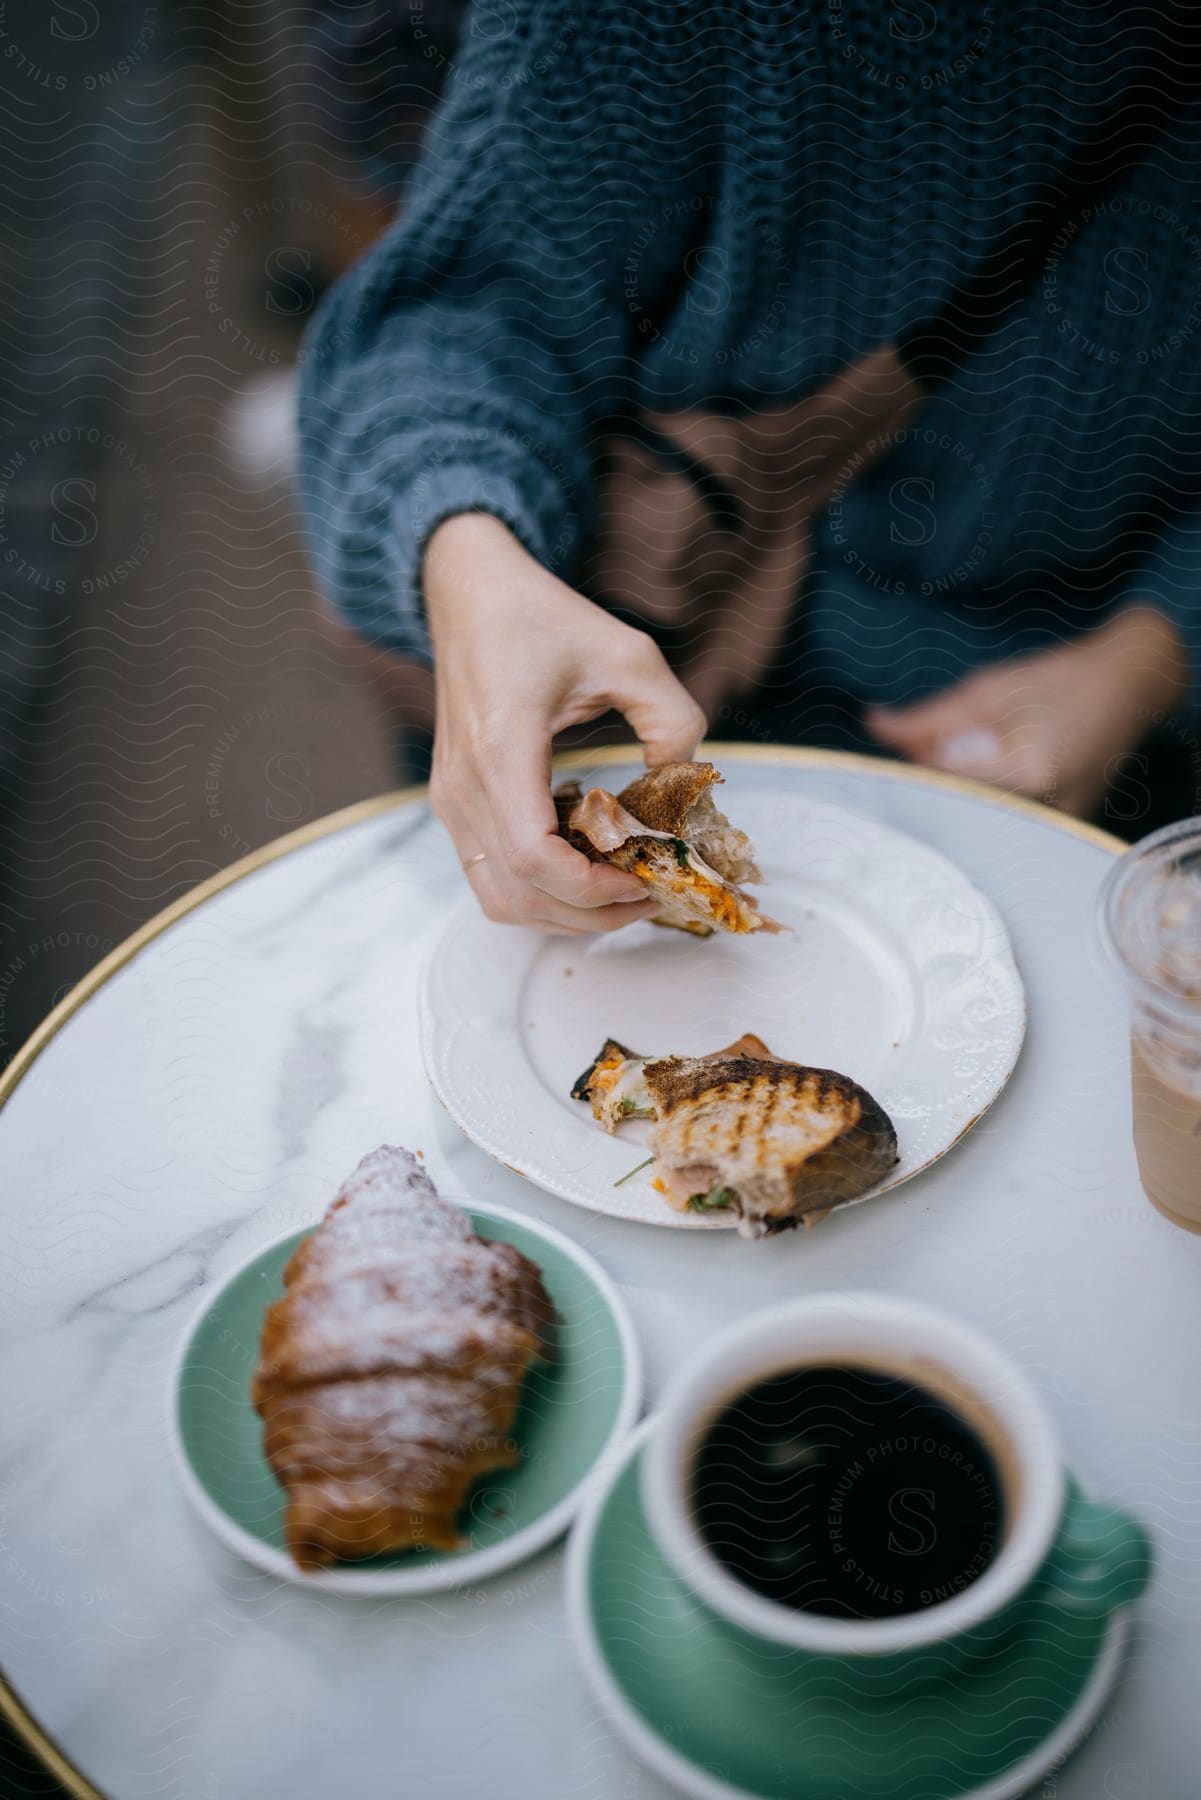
(668, 211)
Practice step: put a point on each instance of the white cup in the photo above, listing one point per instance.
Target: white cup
(1091, 1558)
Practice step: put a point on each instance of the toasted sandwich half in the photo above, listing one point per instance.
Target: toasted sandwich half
(665, 829)
(614, 1083)
(779, 1143)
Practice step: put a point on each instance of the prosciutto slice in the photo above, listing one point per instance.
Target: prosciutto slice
(603, 820)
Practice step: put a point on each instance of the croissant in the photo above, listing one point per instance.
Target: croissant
(391, 1371)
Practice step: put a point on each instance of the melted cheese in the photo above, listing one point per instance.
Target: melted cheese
(680, 1187)
(618, 1090)
(723, 902)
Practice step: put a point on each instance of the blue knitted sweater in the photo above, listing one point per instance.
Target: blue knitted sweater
(671, 204)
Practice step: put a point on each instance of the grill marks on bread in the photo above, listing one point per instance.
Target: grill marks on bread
(789, 1141)
(722, 1107)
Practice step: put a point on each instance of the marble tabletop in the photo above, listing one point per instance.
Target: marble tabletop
(211, 1092)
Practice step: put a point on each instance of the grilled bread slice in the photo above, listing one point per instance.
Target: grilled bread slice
(778, 1142)
(665, 828)
(614, 1083)
(678, 797)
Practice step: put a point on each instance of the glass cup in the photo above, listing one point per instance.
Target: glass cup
(1151, 927)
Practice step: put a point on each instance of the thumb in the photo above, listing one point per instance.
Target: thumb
(906, 726)
(662, 713)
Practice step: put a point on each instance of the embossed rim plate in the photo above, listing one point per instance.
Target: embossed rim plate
(584, 1411)
(943, 964)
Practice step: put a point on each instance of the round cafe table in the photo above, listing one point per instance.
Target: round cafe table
(207, 1088)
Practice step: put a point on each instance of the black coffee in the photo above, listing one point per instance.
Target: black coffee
(848, 1493)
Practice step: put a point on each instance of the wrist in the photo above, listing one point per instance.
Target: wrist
(460, 547)
(475, 569)
(472, 564)
(1146, 653)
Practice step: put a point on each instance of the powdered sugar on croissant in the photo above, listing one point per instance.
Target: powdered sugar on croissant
(391, 1371)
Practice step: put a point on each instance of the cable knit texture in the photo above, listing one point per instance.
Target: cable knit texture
(671, 205)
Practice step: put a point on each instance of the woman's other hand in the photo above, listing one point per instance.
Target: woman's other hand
(1054, 725)
(519, 656)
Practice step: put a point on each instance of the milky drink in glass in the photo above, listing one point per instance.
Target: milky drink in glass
(1151, 922)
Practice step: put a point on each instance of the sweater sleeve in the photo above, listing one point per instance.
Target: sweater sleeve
(465, 363)
(1168, 577)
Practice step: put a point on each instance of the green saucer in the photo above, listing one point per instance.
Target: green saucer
(729, 1718)
(571, 1414)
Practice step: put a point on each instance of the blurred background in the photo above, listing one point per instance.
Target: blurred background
(184, 181)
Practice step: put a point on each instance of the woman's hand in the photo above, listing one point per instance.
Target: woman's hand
(518, 656)
(1054, 725)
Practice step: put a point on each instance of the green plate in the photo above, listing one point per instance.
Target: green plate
(570, 1416)
(722, 1719)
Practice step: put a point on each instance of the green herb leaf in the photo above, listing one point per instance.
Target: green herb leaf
(717, 1198)
(681, 850)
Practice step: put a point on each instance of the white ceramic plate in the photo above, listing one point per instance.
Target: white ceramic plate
(897, 972)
